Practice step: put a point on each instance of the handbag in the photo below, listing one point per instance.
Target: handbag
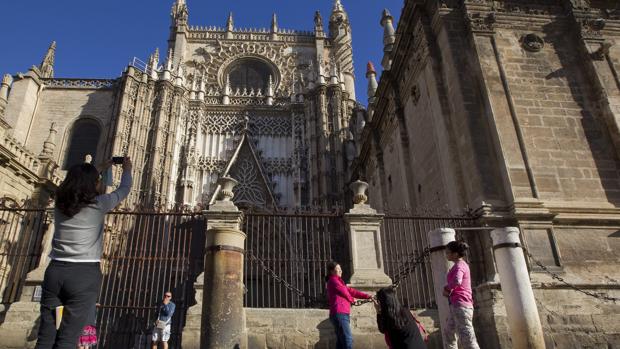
(161, 324)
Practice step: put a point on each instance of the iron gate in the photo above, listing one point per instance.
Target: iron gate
(404, 238)
(146, 254)
(297, 248)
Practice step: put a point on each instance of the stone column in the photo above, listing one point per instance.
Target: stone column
(21, 323)
(223, 320)
(521, 311)
(439, 239)
(367, 270)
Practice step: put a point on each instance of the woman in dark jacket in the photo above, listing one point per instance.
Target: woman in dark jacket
(396, 322)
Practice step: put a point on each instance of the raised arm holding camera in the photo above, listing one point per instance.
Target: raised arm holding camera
(73, 277)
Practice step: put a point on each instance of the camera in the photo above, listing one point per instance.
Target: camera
(118, 160)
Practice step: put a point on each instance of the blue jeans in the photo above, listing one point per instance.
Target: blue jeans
(344, 339)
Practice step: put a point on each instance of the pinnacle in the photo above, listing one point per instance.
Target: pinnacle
(386, 16)
(338, 6)
(370, 69)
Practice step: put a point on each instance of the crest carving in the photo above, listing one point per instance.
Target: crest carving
(279, 55)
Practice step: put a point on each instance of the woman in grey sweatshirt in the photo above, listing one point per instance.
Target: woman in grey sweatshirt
(73, 277)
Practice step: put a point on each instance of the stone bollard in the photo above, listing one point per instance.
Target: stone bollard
(223, 320)
(367, 270)
(521, 310)
(440, 266)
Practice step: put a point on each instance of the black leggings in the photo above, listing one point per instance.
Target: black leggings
(76, 287)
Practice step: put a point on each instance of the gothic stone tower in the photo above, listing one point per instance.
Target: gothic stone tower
(268, 107)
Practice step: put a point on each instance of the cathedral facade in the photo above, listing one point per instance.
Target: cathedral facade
(273, 108)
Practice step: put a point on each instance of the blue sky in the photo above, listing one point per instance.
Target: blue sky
(96, 39)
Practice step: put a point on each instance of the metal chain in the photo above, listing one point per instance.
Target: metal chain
(409, 267)
(286, 284)
(560, 279)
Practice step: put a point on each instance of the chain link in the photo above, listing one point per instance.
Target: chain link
(309, 299)
(561, 280)
(407, 269)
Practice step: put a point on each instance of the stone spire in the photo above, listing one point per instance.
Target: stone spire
(47, 65)
(153, 63)
(230, 26)
(168, 66)
(274, 23)
(389, 38)
(4, 93)
(371, 75)
(7, 79)
(318, 24)
(274, 27)
(49, 145)
(340, 32)
(338, 6)
(338, 21)
(179, 13)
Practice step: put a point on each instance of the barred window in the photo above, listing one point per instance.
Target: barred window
(83, 141)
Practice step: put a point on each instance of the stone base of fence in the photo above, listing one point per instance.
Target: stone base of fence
(311, 328)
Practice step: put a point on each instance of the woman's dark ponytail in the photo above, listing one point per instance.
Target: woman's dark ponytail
(458, 247)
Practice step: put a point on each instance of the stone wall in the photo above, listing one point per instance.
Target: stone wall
(574, 320)
(15, 186)
(311, 328)
(64, 107)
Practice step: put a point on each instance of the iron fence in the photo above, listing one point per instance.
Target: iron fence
(297, 248)
(404, 238)
(145, 255)
(21, 232)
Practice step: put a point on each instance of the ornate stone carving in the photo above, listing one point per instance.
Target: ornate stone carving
(359, 192)
(259, 125)
(279, 54)
(227, 185)
(532, 42)
(249, 190)
(479, 22)
(210, 164)
(80, 83)
(278, 166)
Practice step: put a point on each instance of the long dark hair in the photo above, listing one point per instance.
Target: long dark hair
(458, 247)
(394, 314)
(78, 190)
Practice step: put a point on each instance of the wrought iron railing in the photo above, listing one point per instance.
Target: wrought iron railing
(21, 232)
(145, 255)
(404, 238)
(297, 248)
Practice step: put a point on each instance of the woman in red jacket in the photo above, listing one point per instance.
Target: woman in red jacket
(340, 298)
